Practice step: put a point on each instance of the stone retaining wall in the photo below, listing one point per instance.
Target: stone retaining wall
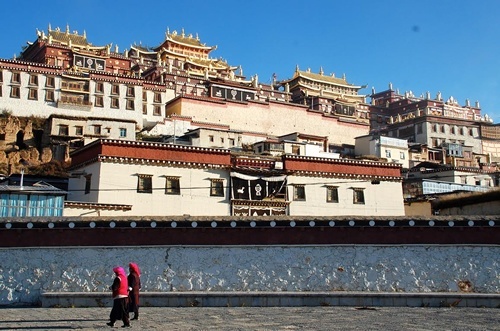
(25, 273)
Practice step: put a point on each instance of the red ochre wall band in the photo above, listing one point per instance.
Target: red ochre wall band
(140, 232)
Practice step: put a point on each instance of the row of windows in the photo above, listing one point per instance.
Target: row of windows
(96, 129)
(332, 194)
(453, 129)
(81, 86)
(388, 154)
(172, 185)
(438, 142)
(232, 141)
(22, 205)
(15, 92)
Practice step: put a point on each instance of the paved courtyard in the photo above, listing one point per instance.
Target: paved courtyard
(253, 318)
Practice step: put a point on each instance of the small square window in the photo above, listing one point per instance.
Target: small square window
(402, 155)
(99, 87)
(97, 129)
(231, 141)
(144, 96)
(79, 130)
(172, 186)
(15, 78)
(144, 109)
(299, 192)
(63, 130)
(130, 104)
(145, 184)
(115, 103)
(49, 81)
(115, 89)
(217, 187)
(33, 94)
(157, 110)
(49, 95)
(332, 194)
(387, 153)
(99, 101)
(14, 92)
(211, 138)
(358, 196)
(130, 91)
(123, 132)
(33, 80)
(157, 97)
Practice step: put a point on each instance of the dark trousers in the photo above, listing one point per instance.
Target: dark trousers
(134, 303)
(120, 311)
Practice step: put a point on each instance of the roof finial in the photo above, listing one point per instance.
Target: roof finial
(390, 86)
(84, 34)
(182, 32)
(67, 28)
(197, 38)
(321, 70)
(343, 76)
(50, 28)
(297, 68)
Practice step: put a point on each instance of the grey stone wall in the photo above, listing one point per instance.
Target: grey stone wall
(25, 273)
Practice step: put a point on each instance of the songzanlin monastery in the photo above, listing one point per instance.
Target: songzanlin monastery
(169, 130)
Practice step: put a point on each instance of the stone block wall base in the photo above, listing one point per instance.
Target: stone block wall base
(279, 299)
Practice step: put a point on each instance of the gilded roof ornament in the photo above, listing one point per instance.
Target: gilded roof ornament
(321, 70)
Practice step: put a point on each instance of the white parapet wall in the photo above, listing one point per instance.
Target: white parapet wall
(26, 273)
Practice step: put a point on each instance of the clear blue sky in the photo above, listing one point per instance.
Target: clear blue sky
(447, 46)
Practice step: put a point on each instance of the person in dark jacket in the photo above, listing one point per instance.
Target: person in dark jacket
(120, 298)
(134, 285)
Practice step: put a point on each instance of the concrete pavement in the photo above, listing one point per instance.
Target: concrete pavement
(257, 318)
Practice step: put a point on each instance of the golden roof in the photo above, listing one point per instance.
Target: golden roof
(187, 39)
(216, 64)
(65, 37)
(332, 80)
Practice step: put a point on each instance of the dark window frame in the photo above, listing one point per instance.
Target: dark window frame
(332, 194)
(217, 187)
(299, 192)
(358, 196)
(144, 183)
(172, 185)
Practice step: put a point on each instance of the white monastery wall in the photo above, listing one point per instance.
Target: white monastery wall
(118, 185)
(274, 119)
(28, 272)
(382, 199)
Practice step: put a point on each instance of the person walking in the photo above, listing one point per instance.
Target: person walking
(134, 285)
(120, 298)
